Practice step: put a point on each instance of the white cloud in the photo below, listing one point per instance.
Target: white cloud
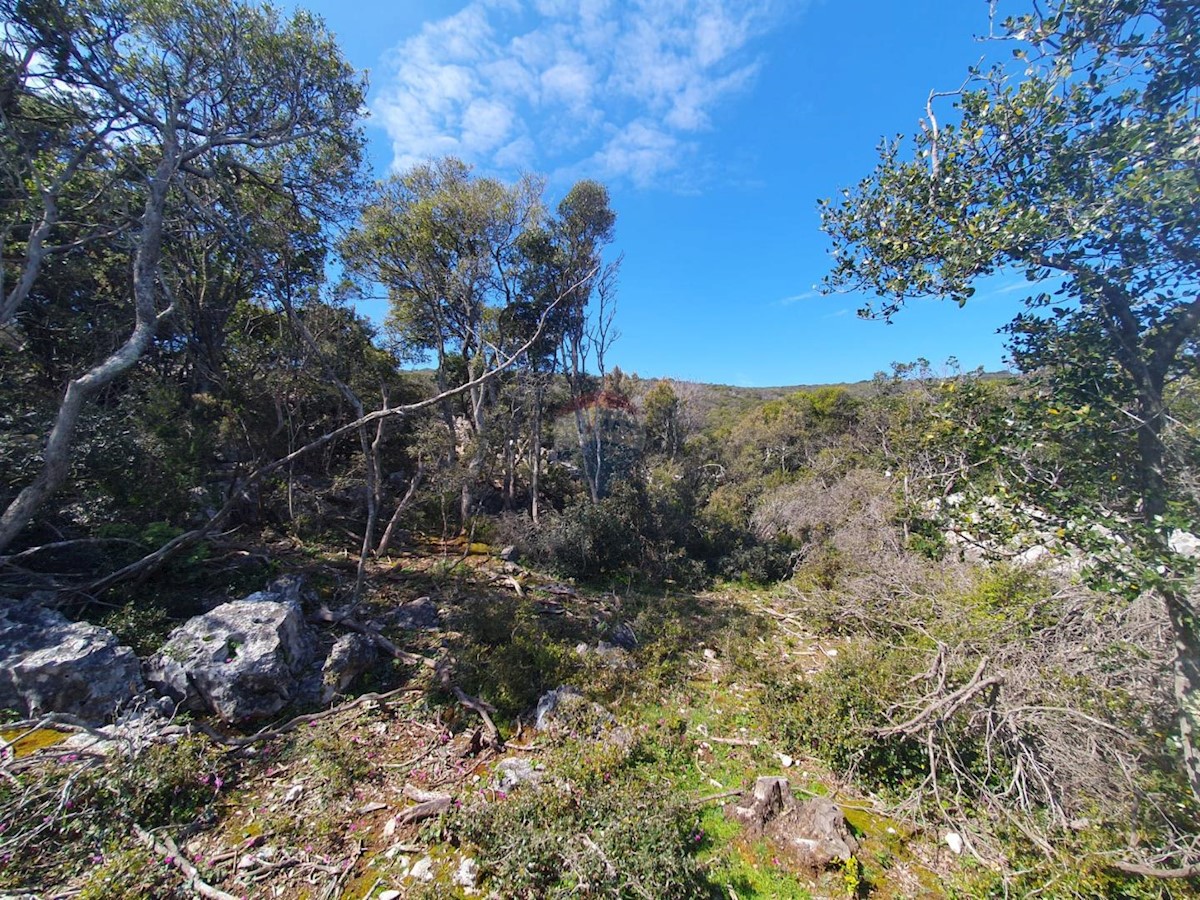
(624, 86)
(812, 294)
(641, 151)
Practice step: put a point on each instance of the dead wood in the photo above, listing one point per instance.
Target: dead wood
(423, 811)
(268, 734)
(166, 848)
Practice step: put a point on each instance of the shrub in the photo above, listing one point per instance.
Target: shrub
(615, 840)
(833, 713)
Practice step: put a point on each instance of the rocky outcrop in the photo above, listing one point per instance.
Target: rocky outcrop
(241, 661)
(511, 773)
(49, 664)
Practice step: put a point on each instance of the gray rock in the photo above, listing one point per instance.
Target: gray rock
(513, 772)
(290, 588)
(510, 554)
(623, 636)
(420, 615)
(608, 655)
(350, 656)
(565, 710)
(49, 664)
(241, 661)
(1185, 544)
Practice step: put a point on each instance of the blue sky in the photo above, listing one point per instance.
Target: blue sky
(716, 124)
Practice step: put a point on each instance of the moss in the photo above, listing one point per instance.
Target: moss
(23, 742)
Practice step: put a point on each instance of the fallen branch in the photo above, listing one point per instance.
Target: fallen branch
(167, 849)
(423, 811)
(1189, 871)
(482, 709)
(409, 659)
(268, 734)
(946, 706)
(733, 742)
(723, 795)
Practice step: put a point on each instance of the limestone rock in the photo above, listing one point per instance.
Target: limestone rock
(350, 656)
(607, 655)
(1185, 544)
(466, 875)
(565, 710)
(241, 661)
(49, 664)
(421, 614)
(623, 636)
(513, 772)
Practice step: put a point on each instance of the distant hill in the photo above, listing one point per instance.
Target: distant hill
(704, 404)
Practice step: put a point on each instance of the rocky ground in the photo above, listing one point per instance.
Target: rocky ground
(472, 728)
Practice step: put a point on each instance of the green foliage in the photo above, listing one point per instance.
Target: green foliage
(338, 765)
(1071, 166)
(510, 656)
(833, 713)
(614, 840)
(74, 811)
(245, 118)
(130, 874)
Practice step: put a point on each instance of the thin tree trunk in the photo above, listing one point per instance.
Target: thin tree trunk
(153, 561)
(56, 457)
(535, 455)
(1185, 628)
(389, 532)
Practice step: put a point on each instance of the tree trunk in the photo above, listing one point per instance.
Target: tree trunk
(1152, 417)
(477, 398)
(1185, 628)
(535, 454)
(389, 532)
(56, 458)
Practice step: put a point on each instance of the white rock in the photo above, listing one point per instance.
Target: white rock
(468, 872)
(954, 841)
(48, 664)
(388, 895)
(422, 869)
(242, 660)
(784, 760)
(1185, 544)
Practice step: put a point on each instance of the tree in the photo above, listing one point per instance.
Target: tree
(445, 246)
(564, 266)
(1079, 167)
(660, 410)
(580, 233)
(186, 100)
